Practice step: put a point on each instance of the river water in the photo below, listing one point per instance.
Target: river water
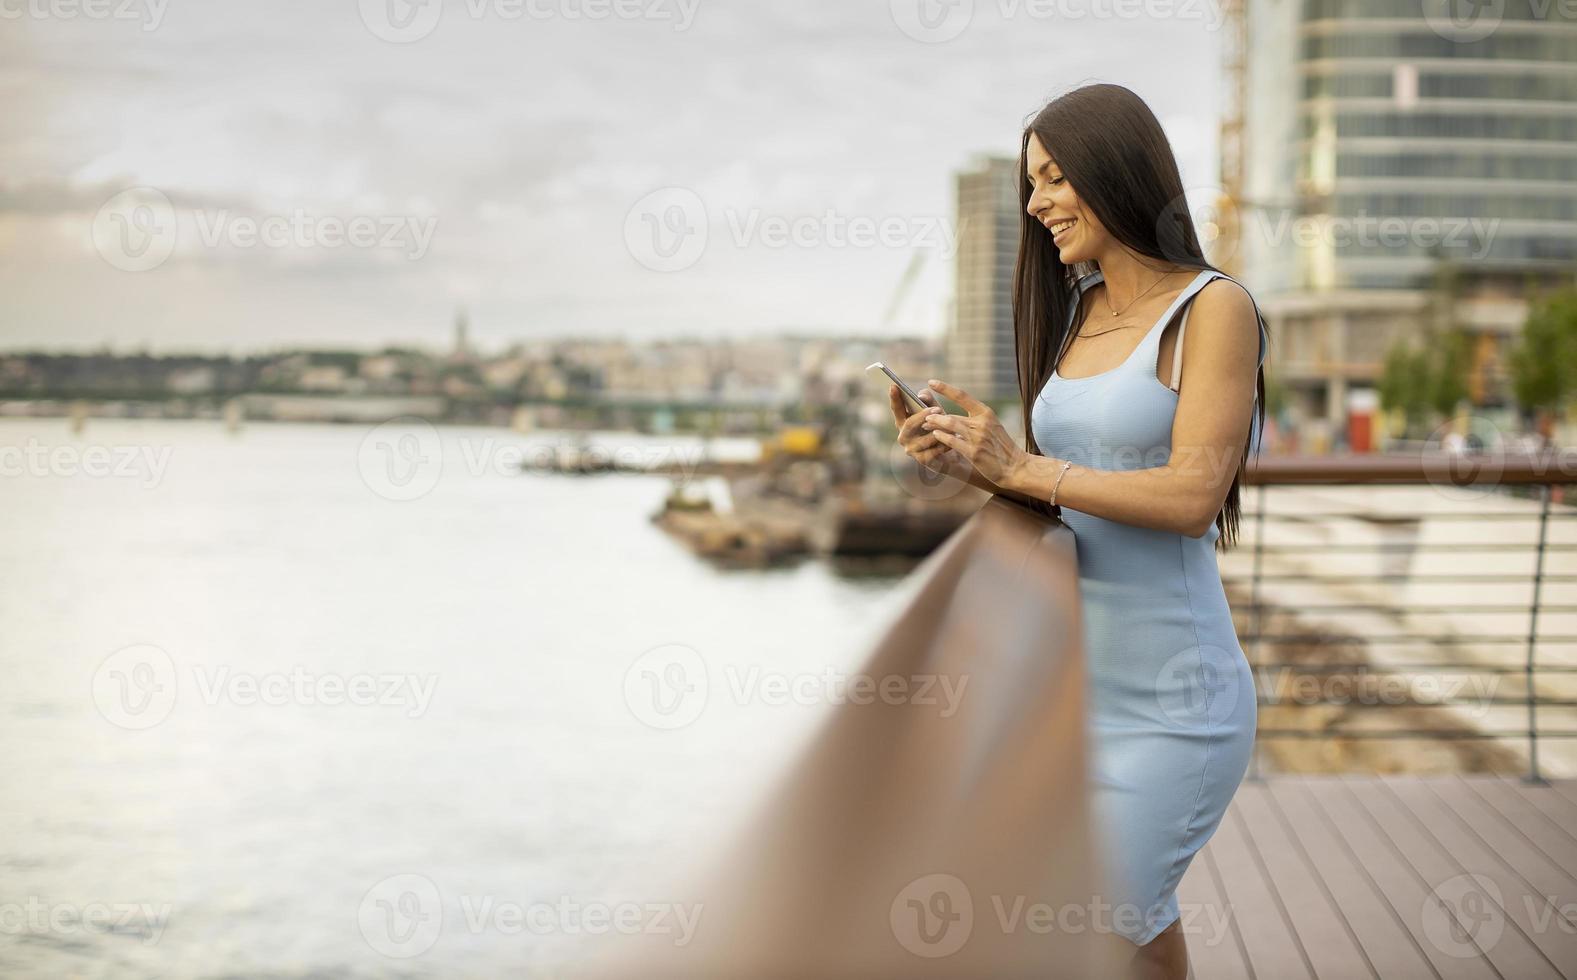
(337, 701)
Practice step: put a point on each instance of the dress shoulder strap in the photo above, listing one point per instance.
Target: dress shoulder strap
(1177, 352)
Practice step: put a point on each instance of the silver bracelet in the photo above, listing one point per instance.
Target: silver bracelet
(1065, 464)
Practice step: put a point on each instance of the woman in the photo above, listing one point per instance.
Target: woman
(1138, 430)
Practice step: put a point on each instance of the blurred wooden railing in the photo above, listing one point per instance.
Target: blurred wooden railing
(907, 818)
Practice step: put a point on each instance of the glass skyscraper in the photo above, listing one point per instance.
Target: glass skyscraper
(979, 350)
(1391, 146)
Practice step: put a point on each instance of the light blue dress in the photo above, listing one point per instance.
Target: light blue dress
(1172, 699)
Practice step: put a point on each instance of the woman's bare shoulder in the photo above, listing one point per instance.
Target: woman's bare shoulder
(1224, 297)
(1233, 320)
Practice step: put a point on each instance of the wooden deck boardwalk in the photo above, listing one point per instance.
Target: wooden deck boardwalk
(1337, 877)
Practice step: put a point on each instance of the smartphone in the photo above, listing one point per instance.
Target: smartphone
(903, 386)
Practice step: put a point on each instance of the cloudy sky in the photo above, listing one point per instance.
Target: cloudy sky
(225, 176)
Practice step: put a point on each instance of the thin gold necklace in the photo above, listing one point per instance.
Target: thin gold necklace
(1098, 333)
(1107, 296)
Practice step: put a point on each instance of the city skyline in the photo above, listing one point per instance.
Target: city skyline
(271, 136)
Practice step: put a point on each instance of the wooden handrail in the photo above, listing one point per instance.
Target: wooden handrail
(901, 815)
(1558, 468)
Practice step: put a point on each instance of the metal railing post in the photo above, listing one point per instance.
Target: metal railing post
(1532, 695)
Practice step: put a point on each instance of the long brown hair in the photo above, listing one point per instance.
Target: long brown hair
(1111, 148)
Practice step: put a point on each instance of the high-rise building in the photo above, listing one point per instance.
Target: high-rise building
(1406, 164)
(978, 353)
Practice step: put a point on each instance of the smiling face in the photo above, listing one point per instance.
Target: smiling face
(1077, 233)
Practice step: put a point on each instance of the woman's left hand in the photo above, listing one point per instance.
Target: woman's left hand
(979, 437)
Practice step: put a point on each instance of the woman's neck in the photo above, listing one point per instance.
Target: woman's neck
(1127, 275)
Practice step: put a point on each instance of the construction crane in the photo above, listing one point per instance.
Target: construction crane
(905, 284)
(1234, 63)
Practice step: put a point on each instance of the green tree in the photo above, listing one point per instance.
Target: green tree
(1429, 382)
(1275, 395)
(1404, 384)
(1446, 373)
(1544, 360)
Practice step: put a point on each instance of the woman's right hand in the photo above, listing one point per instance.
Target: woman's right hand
(921, 444)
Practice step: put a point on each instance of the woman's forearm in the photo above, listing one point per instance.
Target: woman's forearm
(1171, 497)
(955, 466)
